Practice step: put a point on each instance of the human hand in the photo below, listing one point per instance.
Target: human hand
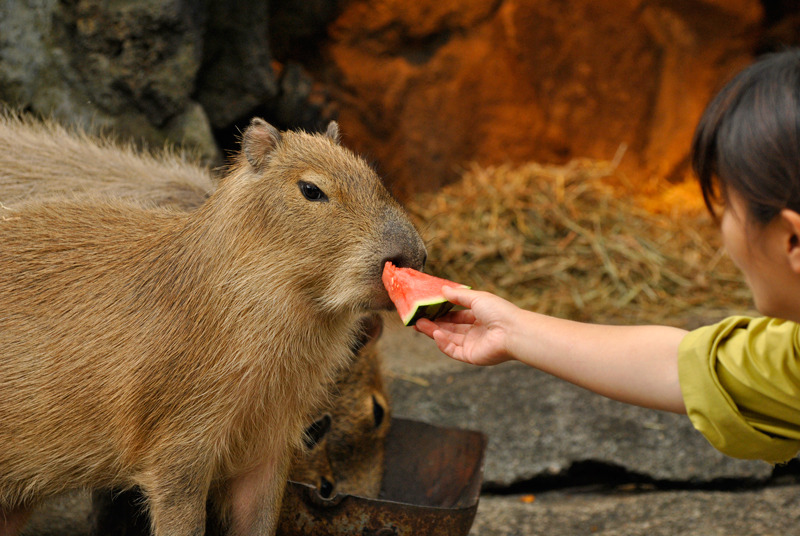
(478, 334)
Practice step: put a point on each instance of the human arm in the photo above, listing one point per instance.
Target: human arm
(633, 364)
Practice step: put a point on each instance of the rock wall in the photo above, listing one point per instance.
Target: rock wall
(179, 71)
(423, 88)
(427, 86)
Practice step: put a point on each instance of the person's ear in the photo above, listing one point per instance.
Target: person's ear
(791, 223)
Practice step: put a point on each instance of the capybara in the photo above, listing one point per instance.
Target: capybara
(349, 456)
(50, 161)
(183, 352)
(360, 414)
(362, 409)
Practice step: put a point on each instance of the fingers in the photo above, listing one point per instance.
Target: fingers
(449, 338)
(450, 344)
(457, 324)
(425, 326)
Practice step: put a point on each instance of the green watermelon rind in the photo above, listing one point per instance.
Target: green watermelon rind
(430, 310)
(398, 281)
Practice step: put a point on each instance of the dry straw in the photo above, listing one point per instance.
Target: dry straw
(560, 240)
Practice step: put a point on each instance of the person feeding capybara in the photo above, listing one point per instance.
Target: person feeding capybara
(183, 352)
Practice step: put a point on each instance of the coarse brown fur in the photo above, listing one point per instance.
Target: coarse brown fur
(361, 414)
(349, 457)
(353, 444)
(183, 352)
(43, 160)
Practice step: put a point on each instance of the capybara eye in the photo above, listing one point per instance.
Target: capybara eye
(312, 192)
(316, 431)
(325, 487)
(377, 412)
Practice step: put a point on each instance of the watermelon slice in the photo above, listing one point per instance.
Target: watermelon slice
(415, 294)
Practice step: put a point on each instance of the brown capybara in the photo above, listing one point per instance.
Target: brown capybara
(42, 160)
(345, 446)
(183, 352)
(50, 161)
(361, 413)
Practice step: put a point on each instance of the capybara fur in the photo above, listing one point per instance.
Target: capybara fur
(45, 160)
(360, 414)
(184, 352)
(349, 456)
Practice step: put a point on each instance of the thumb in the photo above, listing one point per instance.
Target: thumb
(460, 296)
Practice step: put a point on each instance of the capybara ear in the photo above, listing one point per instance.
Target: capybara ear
(333, 131)
(259, 140)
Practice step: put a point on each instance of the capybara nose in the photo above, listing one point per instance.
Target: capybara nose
(404, 246)
(402, 260)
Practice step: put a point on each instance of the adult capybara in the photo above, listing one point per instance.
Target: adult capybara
(45, 160)
(183, 352)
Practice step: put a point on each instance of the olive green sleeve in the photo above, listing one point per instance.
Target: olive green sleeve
(740, 380)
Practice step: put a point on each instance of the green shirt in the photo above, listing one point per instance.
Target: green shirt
(740, 380)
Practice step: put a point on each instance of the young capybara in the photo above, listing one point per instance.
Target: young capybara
(360, 414)
(183, 352)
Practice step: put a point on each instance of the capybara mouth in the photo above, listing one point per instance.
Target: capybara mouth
(382, 302)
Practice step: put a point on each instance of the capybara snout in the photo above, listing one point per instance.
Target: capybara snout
(405, 247)
(402, 246)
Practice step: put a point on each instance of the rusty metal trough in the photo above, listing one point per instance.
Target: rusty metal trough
(430, 487)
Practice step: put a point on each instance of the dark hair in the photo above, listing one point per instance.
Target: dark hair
(748, 140)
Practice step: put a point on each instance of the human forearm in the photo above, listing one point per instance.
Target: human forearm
(632, 364)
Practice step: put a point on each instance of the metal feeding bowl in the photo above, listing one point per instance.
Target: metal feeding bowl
(430, 487)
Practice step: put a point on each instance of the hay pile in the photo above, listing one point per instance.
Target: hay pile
(558, 240)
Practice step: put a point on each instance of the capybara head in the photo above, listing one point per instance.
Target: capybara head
(313, 465)
(325, 209)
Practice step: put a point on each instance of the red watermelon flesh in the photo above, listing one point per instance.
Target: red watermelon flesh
(415, 294)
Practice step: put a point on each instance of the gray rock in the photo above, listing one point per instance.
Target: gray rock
(129, 67)
(237, 74)
(24, 56)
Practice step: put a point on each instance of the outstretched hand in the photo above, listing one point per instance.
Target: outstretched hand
(479, 333)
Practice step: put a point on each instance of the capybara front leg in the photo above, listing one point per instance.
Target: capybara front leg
(256, 499)
(178, 510)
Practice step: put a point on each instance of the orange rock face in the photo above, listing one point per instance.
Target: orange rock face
(427, 86)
